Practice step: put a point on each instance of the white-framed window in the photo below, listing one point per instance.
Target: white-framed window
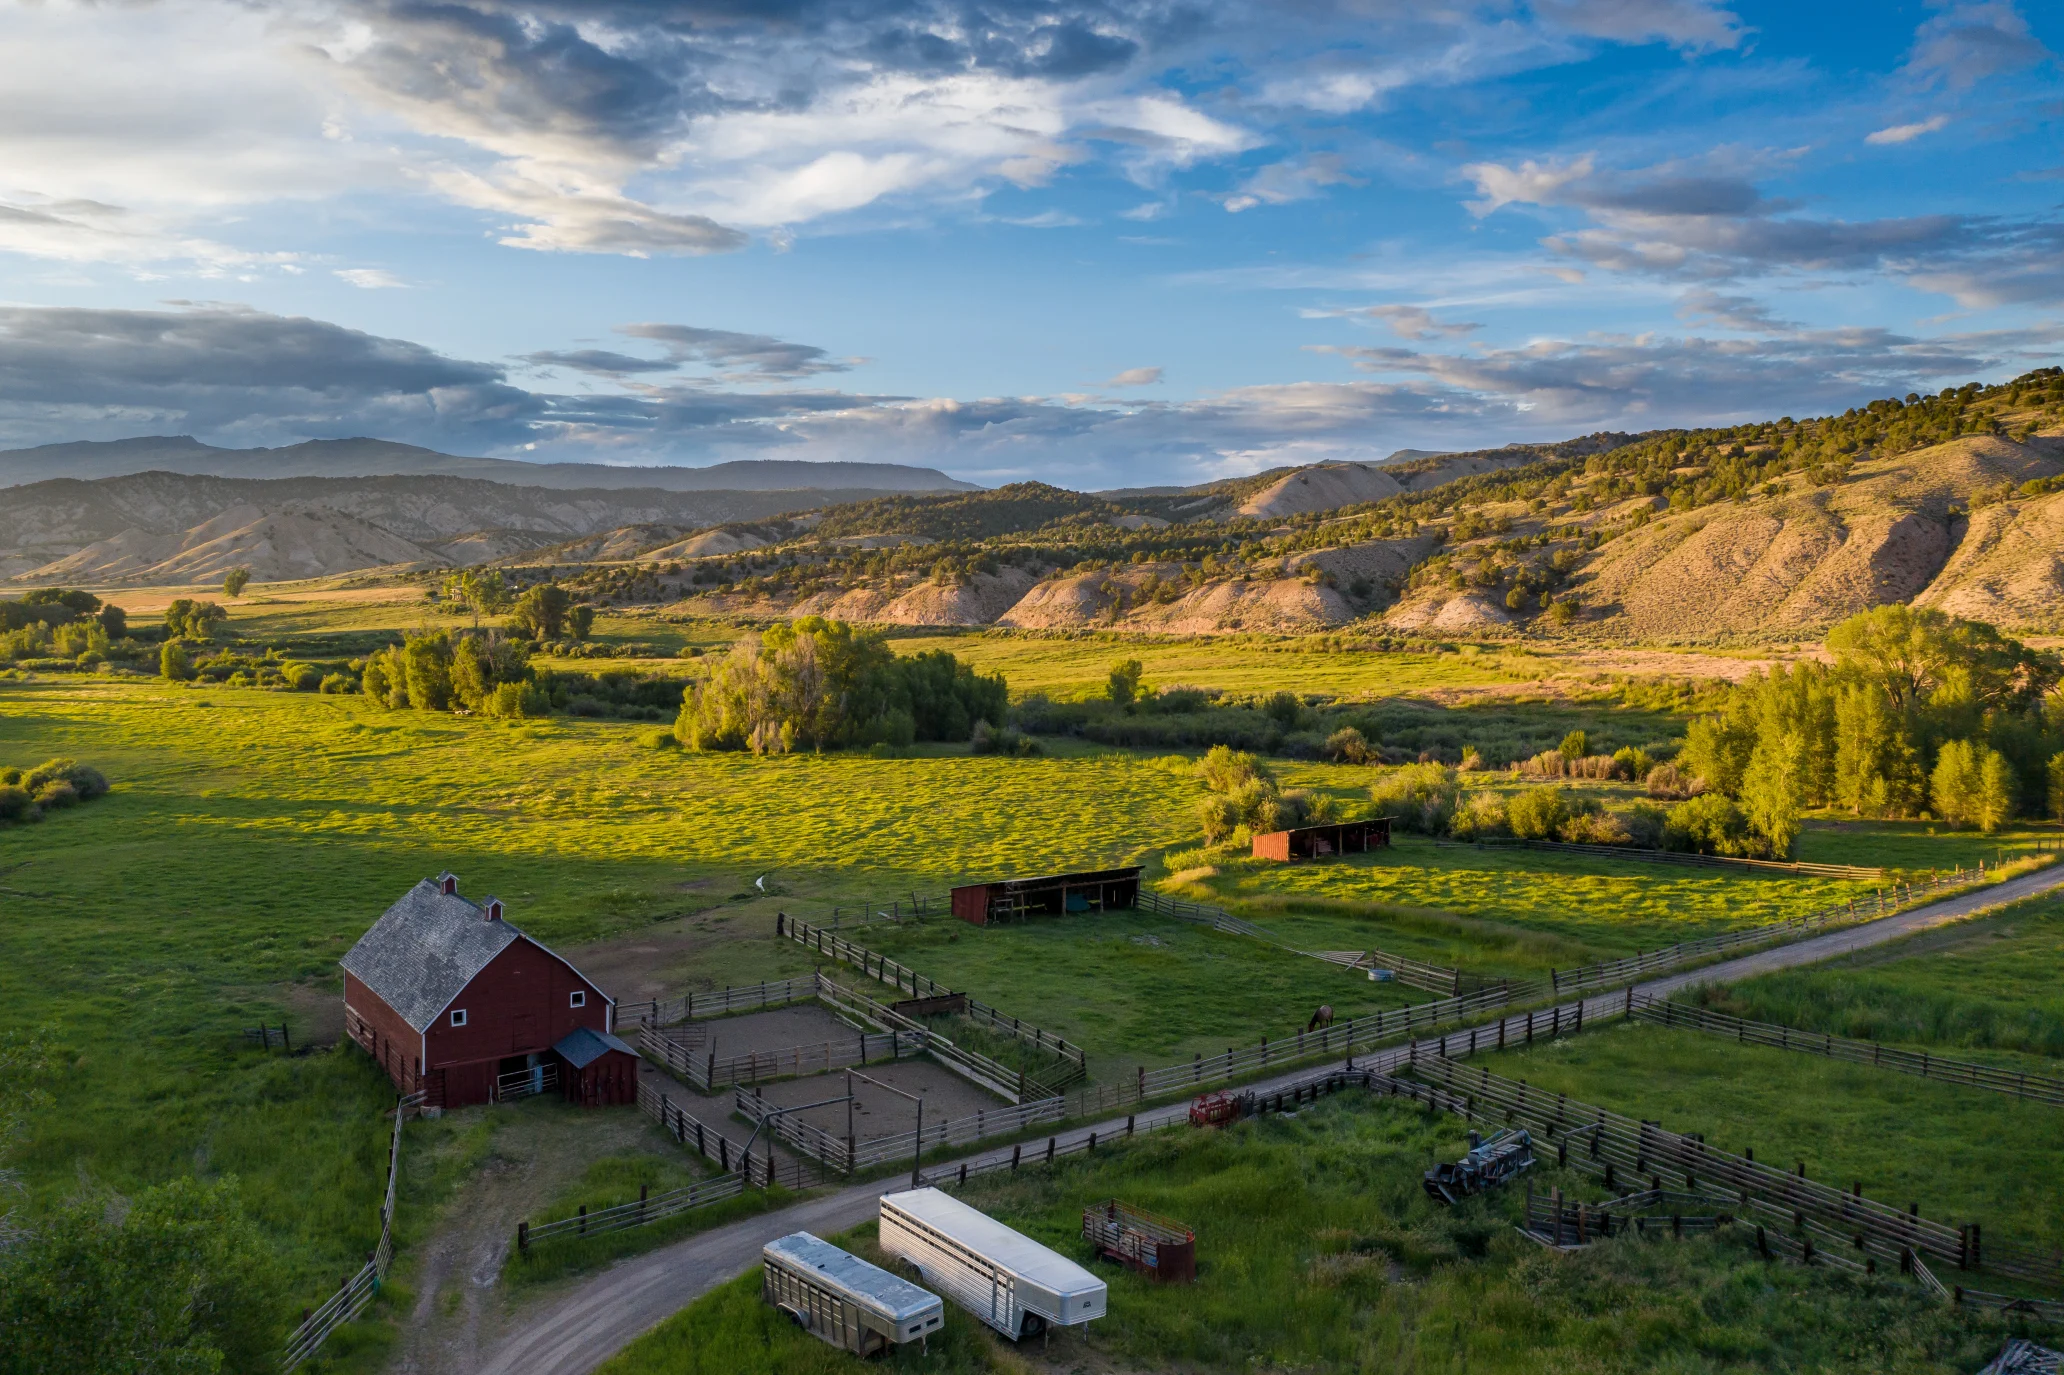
(458, 1016)
(577, 998)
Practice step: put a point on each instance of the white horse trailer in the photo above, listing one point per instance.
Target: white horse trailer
(839, 1297)
(1003, 1277)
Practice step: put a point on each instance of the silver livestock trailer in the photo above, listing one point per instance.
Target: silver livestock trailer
(839, 1297)
(1004, 1278)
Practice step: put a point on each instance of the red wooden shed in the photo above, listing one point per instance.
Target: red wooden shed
(596, 1069)
(453, 1001)
(1092, 890)
(1316, 842)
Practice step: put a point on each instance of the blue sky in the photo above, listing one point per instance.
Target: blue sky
(1096, 242)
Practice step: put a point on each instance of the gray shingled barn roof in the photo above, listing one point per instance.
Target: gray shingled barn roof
(424, 951)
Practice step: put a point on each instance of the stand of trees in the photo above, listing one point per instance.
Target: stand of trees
(1920, 713)
(822, 684)
(434, 670)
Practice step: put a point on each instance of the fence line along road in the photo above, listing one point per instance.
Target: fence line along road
(356, 1292)
(2015, 1083)
(648, 1209)
(1601, 1142)
(1801, 868)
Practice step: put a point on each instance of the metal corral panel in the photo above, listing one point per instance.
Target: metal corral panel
(1003, 1277)
(844, 1299)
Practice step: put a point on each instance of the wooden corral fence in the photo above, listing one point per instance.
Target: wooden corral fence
(358, 1290)
(1015, 1085)
(2015, 1083)
(845, 1155)
(648, 1209)
(269, 1036)
(906, 907)
(1608, 973)
(1430, 978)
(761, 1172)
(1621, 1148)
(716, 1003)
(1240, 1062)
(1799, 868)
(701, 1067)
(882, 969)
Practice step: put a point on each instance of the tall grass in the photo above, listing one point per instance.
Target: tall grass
(1962, 1154)
(1318, 1251)
(1991, 985)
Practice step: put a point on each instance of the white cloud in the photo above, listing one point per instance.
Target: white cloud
(370, 278)
(1136, 377)
(1907, 133)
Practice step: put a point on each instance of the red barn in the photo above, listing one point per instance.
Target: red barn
(454, 1001)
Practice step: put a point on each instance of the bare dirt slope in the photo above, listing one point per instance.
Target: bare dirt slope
(2008, 568)
(1808, 557)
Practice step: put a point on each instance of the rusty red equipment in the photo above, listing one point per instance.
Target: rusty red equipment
(1156, 1246)
(1214, 1110)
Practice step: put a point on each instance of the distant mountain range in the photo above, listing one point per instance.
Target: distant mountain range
(162, 527)
(384, 458)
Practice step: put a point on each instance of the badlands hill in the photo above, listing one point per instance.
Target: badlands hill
(1758, 531)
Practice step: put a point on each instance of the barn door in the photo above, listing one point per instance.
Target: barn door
(523, 1032)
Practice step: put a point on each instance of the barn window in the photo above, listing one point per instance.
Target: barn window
(577, 998)
(458, 1016)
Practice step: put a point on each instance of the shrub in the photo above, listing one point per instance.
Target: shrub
(174, 666)
(53, 795)
(16, 804)
(1667, 782)
(1422, 797)
(1631, 764)
(1223, 770)
(1349, 746)
(1599, 827)
(1537, 813)
(516, 700)
(1472, 760)
(1480, 817)
(1711, 824)
(1125, 681)
(1575, 745)
(85, 781)
(1004, 740)
(336, 684)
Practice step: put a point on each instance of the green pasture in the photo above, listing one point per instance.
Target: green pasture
(1074, 667)
(1318, 1250)
(1131, 988)
(1963, 1154)
(1990, 989)
(1504, 911)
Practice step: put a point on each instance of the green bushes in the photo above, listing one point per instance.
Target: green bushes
(1005, 740)
(1537, 813)
(1244, 799)
(1422, 797)
(28, 794)
(822, 684)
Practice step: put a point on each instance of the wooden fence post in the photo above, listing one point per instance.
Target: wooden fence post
(522, 1248)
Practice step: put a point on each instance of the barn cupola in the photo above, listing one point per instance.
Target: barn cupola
(493, 909)
(448, 883)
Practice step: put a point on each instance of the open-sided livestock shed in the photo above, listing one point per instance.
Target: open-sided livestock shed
(456, 1003)
(1052, 895)
(1333, 838)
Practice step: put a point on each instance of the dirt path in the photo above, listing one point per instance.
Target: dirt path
(460, 1304)
(584, 1328)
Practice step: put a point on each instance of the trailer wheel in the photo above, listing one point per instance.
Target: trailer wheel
(1032, 1326)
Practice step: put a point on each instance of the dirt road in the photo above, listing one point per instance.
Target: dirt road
(580, 1330)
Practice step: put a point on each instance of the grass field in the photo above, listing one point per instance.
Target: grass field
(1505, 910)
(1317, 1250)
(1987, 986)
(1964, 1155)
(1134, 989)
